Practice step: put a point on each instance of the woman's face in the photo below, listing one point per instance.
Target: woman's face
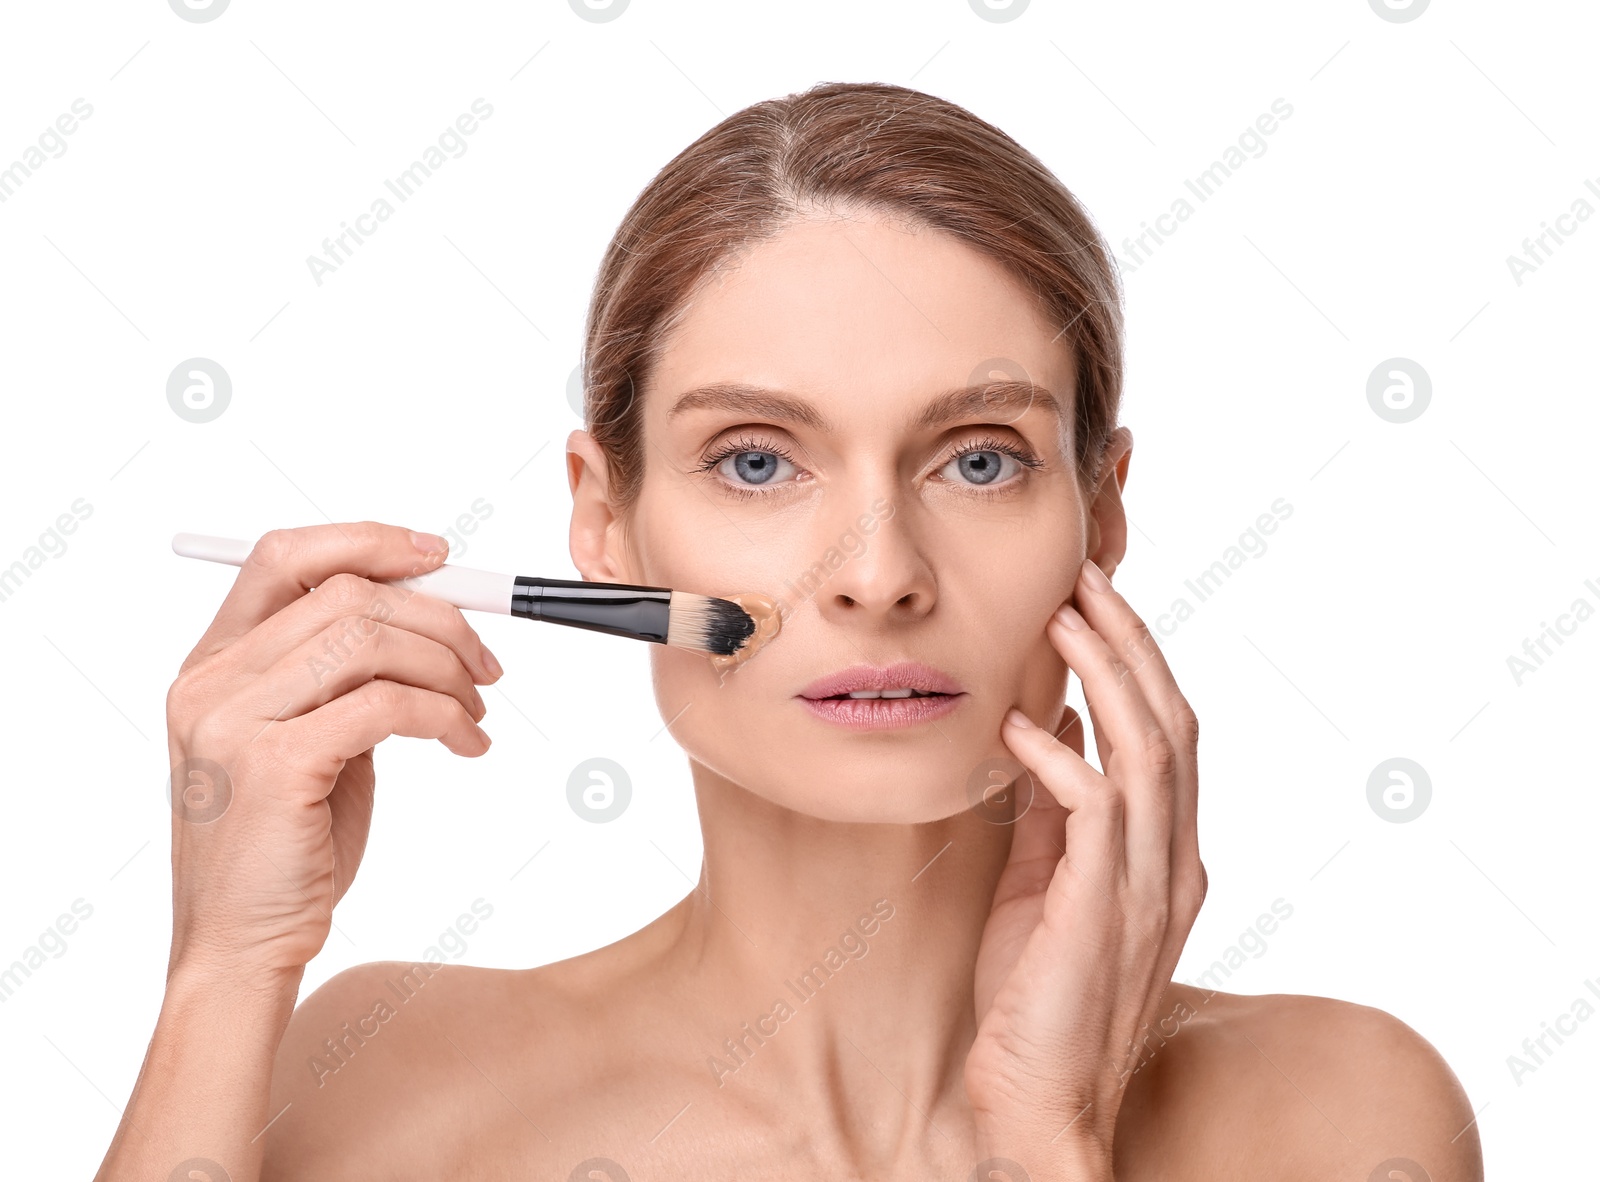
(892, 518)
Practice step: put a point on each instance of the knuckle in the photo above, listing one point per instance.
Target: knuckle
(383, 697)
(1155, 914)
(1190, 891)
(1140, 640)
(344, 591)
(183, 695)
(1186, 721)
(274, 548)
(208, 735)
(1160, 756)
(1103, 793)
(376, 533)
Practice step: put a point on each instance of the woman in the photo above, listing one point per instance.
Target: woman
(858, 350)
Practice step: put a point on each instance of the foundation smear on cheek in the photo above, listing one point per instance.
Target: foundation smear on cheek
(765, 613)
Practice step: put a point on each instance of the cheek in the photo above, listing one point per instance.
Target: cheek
(726, 720)
(681, 540)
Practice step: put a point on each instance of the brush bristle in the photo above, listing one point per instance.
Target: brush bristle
(712, 625)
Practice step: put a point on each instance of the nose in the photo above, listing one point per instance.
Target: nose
(878, 571)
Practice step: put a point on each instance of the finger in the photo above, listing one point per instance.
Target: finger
(1039, 833)
(1127, 634)
(286, 563)
(1094, 840)
(357, 721)
(1142, 763)
(344, 609)
(315, 673)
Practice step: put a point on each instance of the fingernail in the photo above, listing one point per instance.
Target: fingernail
(429, 543)
(1018, 719)
(484, 735)
(1094, 576)
(492, 665)
(1069, 616)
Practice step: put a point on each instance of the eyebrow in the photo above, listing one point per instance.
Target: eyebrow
(1013, 398)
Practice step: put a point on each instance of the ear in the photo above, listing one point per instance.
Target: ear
(594, 537)
(1108, 520)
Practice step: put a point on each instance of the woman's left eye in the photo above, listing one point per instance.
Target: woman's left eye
(981, 467)
(752, 467)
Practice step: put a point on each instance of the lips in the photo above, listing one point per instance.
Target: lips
(901, 675)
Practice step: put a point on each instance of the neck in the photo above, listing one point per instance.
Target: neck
(842, 955)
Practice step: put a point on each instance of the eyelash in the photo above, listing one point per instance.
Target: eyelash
(746, 443)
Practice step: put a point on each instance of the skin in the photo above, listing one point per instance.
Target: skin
(994, 1009)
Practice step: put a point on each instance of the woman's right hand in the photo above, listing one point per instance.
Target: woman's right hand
(271, 724)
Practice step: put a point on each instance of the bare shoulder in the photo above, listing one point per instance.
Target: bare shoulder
(381, 1072)
(395, 1070)
(1310, 1086)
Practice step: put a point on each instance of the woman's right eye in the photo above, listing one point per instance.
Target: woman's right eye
(752, 467)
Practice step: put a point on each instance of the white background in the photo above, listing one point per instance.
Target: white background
(431, 370)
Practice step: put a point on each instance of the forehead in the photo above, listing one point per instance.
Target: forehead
(842, 307)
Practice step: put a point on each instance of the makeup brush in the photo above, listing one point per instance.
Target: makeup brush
(682, 619)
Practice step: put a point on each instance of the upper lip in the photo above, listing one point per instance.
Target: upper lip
(900, 675)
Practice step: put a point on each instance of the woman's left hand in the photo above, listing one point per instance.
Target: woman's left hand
(1102, 886)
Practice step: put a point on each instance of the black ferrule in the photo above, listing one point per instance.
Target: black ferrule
(621, 609)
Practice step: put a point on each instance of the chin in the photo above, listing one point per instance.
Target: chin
(855, 778)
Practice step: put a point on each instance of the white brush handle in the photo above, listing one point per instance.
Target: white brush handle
(475, 590)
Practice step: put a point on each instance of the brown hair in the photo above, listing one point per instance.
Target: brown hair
(837, 145)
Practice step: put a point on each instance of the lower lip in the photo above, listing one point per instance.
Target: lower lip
(877, 714)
